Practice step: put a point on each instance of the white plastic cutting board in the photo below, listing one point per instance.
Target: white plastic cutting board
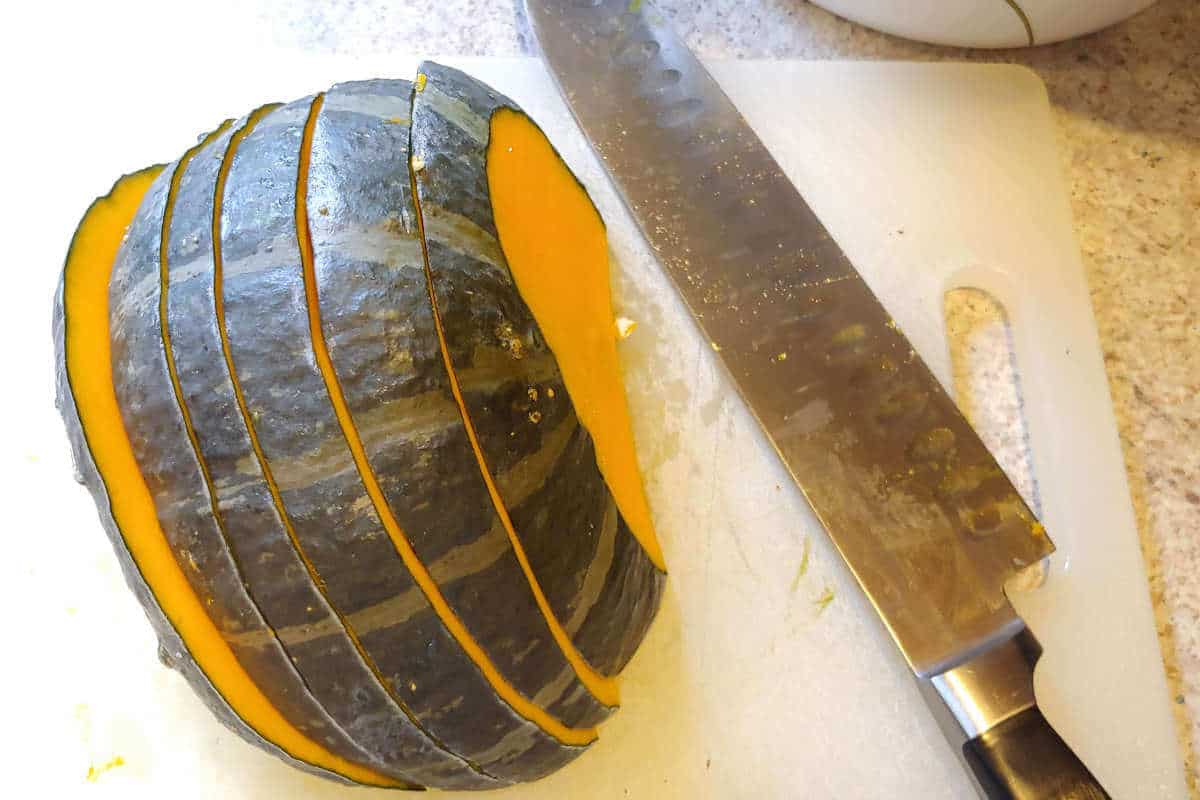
(744, 688)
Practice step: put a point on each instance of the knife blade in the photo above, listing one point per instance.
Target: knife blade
(924, 517)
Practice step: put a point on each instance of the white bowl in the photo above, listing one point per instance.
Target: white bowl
(986, 23)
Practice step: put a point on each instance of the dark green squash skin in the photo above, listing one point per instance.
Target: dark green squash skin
(322, 491)
(171, 649)
(437, 721)
(275, 574)
(451, 120)
(166, 459)
(378, 328)
(633, 591)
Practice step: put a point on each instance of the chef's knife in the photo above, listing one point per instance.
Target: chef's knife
(926, 520)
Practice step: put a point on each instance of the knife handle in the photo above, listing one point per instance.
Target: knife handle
(987, 709)
(1023, 758)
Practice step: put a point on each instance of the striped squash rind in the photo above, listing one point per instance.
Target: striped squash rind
(450, 119)
(169, 465)
(172, 651)
(303, 442)
(357, 660)
(427, 467)
(376, 324)
(275, 571)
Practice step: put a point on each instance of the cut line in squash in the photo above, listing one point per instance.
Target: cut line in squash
(88, 356)
(505, 690)
(164, 329)
(265, 467)
(602, 687)
(556, 246)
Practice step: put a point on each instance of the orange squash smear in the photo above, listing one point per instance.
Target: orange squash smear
(555, 244)
(89, 369)
(420, 574)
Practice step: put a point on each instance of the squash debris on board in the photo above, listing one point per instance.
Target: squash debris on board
(343, 382)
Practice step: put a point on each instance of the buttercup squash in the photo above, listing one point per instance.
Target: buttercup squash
(343, 382)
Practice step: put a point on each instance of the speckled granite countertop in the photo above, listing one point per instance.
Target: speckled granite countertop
(1128, 107)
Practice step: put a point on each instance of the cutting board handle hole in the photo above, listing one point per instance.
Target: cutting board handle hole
(986, 382)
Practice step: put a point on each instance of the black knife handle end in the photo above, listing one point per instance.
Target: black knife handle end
(1023, 758)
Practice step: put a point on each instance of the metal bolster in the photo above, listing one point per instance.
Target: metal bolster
(977, 695)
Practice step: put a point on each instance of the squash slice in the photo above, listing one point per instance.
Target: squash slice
(88, 365)
(433, 593)
(557, 251)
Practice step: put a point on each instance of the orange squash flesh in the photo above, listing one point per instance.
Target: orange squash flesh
(555, 244)
(89, 370)
(420, 574)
